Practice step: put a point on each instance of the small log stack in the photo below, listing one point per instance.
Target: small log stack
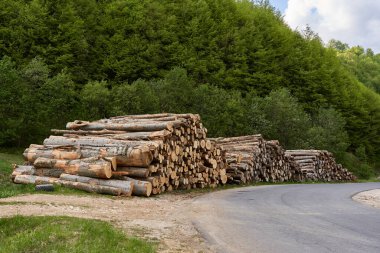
(150, 153)
(319, 165)
(252, 159)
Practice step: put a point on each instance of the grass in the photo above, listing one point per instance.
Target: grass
(64, 234)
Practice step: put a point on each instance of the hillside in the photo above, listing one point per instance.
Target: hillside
(237, 64)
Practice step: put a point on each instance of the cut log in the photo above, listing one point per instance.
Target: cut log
(130, 127)
(140, 188)
(48, 172)
(83, 132)
(96, 141)
(32, 179)
(125, 186)
(22, 170)
(93, 188)
(132, 172)
(35, 151)
(90, 167)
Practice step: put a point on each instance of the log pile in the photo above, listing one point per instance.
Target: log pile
(143, 154)
(253, 159)
(319, 165)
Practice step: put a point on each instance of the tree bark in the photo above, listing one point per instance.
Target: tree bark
(130, 127)
(140, 188)
(35, 151)
(90, 167)
(125, 186)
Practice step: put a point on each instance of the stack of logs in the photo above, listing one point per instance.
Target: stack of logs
(319, 165)
(252, 159)
(135, 154)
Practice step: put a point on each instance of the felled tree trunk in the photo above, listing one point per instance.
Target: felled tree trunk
(140, 188)
(90, 167)
(126, 187)
(130, 127)
(22, 170)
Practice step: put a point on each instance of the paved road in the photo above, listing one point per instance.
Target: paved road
(289, 218)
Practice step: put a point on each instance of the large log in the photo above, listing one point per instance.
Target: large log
(84, 132)
(125, 186)
(93, 188)
(236, 139)
(32, 179)
(97, 141)
(90, 167)
(130, 127)
(22, 170)
(136, 156)
(117, 135)
(48, 172)
(132, 172)
(140, 188)
(34, 151)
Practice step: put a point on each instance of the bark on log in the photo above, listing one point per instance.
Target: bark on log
(140, 188)
(32, 179)
(97, 141)
(22, 170)
(130, 127)
(125, 186)
(90, 167)
(93, 188)
(35, 151)
(48, 172)
(132, 172)
(83, 132)
(136, 156)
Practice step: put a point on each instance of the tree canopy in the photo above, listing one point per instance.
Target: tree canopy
(235, 62)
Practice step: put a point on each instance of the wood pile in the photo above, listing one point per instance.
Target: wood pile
(319, 165)
(142, 154)
(253, 159)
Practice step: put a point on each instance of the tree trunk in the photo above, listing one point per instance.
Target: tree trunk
(140, 188)
(22, 170)
(132, 172)
(90, 167)
(130, 127)
(35, 151)
(125, 186)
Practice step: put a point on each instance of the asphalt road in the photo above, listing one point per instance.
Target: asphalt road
(289, 218)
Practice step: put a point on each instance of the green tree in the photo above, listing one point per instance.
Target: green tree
(96, 100)
(288, 121)
(12, 93)
(328, 132)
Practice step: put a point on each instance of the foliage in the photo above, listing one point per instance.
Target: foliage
(96, 100)
(227, 60)
(65, 234)
(327, 131)
(288, 122)
(364, 64)
(12, 92)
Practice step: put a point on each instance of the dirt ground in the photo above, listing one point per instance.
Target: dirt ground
(165, 219)
(371, 197)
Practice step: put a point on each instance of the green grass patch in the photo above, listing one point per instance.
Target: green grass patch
(7, 187)
(65, 234)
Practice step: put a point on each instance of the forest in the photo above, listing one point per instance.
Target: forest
(236, 63)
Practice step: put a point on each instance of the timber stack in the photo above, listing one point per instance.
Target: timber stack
(319, 165)
(253, 159)
(135, 154)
